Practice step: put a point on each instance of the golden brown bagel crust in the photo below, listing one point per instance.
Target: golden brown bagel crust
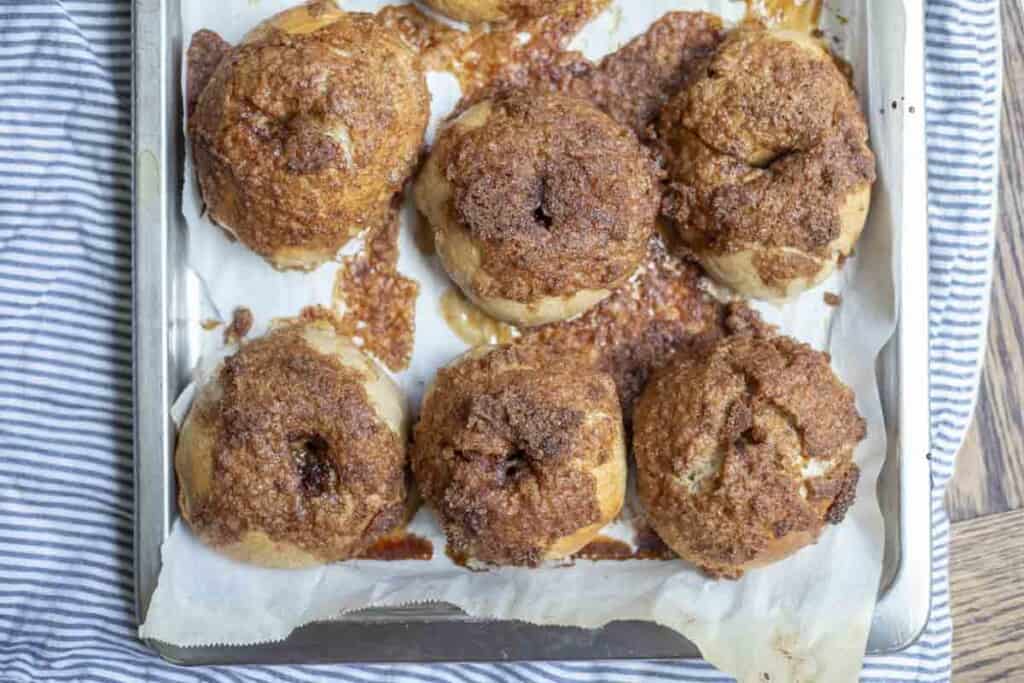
(769, 168)
(549, 194)
(522, 463)
(301, 139)
(294, 453)
(744, 452)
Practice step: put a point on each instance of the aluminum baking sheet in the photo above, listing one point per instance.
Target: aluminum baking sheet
(167, 315)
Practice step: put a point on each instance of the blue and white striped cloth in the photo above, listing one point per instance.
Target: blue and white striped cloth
(66, 604)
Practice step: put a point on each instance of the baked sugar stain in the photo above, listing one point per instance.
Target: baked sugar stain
(400, 546)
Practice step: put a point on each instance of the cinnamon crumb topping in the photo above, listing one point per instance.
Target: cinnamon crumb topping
(743, 445)
(560, 197)
(503, 450)
(300, 452)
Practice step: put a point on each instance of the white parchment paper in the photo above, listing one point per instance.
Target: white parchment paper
(804, 619)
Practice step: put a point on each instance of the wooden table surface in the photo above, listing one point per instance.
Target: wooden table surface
(986, 497)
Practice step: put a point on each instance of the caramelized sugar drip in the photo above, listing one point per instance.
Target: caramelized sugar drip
(648, 547)
(631, 84)
(605, 548)
(661, 311)
(436, 43)
(472, 325)
(484, 54)
(423, 234)
(400, 545)
(379, 303)
(498, 56)
(634, 83)
(795, 15)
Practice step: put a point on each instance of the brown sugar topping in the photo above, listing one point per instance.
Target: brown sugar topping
(205, 52)
(759, 93)
(529, 8)
(300, 453)
(563, 197)
(840, 489)
(300, 140)
(534, 431)
(500, 451)
(764, 147)
(722, 464)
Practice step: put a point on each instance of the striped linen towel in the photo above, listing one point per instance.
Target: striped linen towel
(66, 604)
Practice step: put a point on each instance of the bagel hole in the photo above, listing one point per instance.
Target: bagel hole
(755, 435)
(703, 473)
(316, 471)
(542, 218)
(514, 465)
(770, 158)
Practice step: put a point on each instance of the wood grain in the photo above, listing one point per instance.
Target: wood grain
(988, 598)
(986, 568)
(990, 467)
